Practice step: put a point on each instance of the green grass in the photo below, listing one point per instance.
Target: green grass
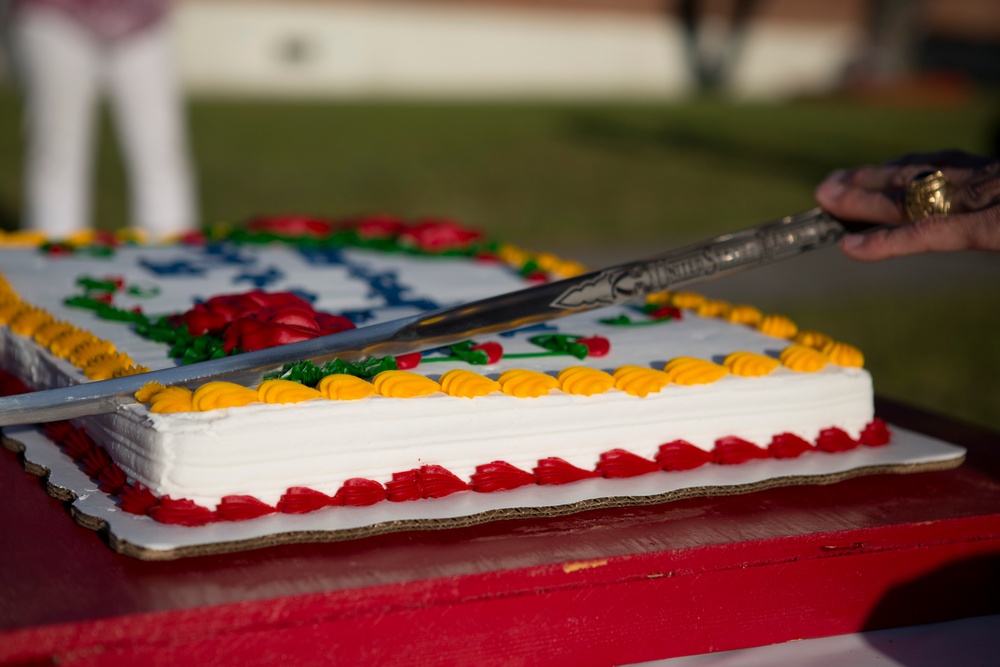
(597, 175)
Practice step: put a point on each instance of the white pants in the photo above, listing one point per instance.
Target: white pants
(64, 68)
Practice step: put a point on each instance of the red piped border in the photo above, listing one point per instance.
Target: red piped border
(429, 481)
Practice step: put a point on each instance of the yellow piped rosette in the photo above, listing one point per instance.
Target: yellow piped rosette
(843, 354)
(750, 364)
(28, 320)
(341, 387)
(744, 314)
(778, 326)
(285, 391)
(522, 383)
(463, 383)
(813, 339)
(170, 400)
(215, 395)
(404, 384)
(690, 371)
(803, 359)
(640, 381)
(687, 300)
(584, 381)
(104, 366)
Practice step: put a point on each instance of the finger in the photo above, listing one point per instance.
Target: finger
(850, 202)
(979, 192)
(898, 174)
(883, 177)
(975, 231)
(898, 177)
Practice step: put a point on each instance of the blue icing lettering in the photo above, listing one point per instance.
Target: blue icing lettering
(386, 285)
(260, 279)
(223, 253)
(322, 256)
(210, 257)
(180, 267)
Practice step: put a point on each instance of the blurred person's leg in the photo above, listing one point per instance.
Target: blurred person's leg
(59, 71)
(149, 117)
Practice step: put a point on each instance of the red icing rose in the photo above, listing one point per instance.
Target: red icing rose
(875, 434)
(137, 499)
(619, 463)
(359, 492)
(182, 512)
(488, 257)
(379, 227)
(106, 238)
(665, 312)
(537, 277)
(439, 236)
(112, 479)
(835, 440)
(499, 476)
(681, 455)
(331, 324)
(242, 508)
(404, 486)
(408, 361)
(597, 346)
(258, 320)
(94, 461)
(201, 321)
(493, 350)
(77, 444)
(59, 249)
(10, 385)
(555, 471)
(731, 450)
(193, 239)
(294, 226)
(295, 316)
(262, 335)
(429, 481)
(302, 500)
(438, 482)
(57, 431)
(788, 446)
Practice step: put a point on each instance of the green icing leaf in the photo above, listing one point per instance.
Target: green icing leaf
(308, 373)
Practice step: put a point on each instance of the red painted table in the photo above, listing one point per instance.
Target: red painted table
(602, 587)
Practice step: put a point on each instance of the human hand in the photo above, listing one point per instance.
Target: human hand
(877, 194)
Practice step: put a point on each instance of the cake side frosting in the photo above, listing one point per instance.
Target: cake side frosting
(263, 450)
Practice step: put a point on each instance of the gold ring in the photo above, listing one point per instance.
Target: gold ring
(927, 195)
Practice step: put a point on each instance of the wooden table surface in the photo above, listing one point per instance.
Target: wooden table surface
(600, 587)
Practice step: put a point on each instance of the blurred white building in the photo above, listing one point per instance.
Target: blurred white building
(523, 48)
(545, 48)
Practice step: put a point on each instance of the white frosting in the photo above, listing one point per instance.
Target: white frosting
(262, 450)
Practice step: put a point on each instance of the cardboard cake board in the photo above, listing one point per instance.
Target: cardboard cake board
(144, 538)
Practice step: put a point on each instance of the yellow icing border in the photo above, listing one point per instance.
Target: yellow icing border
(97, 358)
(36, 239)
